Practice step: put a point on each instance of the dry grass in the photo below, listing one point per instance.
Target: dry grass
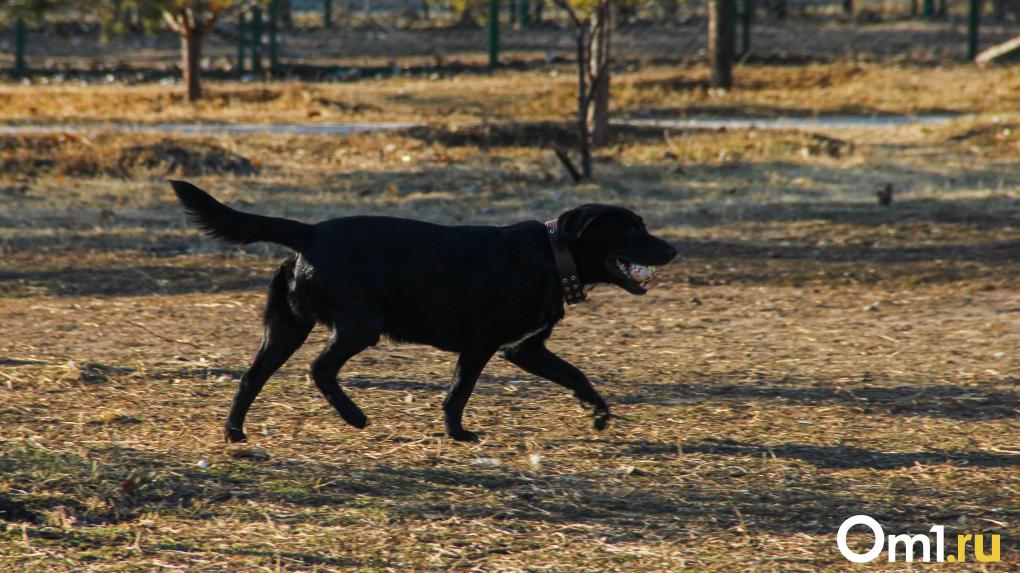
(762, 91)
(811, 357)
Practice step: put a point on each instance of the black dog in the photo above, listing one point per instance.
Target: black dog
(470, 290)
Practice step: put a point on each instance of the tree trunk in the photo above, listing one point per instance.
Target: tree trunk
(598, 112)
(670, 9)
(591, 36)
(626, 13)
(721, 35)
(779, 9)
(583, 101)
(285, 14)
(466, 18)
(191, 63)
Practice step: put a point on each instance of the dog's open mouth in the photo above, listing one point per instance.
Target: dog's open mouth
(631, 276)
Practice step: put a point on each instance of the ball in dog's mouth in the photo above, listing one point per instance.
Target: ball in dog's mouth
(640, 273)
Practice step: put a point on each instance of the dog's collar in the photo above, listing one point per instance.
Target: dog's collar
(570, 283)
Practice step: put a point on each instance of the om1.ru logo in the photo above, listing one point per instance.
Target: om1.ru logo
(909, 544)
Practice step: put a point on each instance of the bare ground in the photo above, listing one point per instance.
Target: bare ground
(810, 357)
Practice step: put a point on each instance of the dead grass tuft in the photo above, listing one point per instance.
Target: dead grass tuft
(995, 140)
(184, 157)
(113, 417)
(115, 155)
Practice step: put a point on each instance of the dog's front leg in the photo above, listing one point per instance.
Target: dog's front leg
(532, 356)
(469, 367)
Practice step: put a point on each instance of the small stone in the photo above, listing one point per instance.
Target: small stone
(486, 462)
(536, 461)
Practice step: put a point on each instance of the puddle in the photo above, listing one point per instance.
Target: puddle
(795, 123)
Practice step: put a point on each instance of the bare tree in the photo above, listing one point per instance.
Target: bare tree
(598, 68)
(192, 20)
(469, 12)
(591, 20)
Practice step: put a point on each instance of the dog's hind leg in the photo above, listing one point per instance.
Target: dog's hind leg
(284, 333)
(344, 343)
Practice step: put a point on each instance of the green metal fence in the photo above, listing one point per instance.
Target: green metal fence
(338, 39)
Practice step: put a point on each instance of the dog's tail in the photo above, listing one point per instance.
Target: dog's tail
(225, 223)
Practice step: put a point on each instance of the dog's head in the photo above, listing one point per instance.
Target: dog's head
(601, 237)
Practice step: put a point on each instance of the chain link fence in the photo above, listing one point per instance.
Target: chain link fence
(344, 39)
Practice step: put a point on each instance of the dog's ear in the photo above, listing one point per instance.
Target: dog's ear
(571, 224)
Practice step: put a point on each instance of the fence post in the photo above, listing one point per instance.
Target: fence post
(242, 37)
(927, 8)
(327, 13)
(256, 40)
(20, 67)
(274, 17)
(973, 20)
(746, 11)
(493, 34)
(525, 13)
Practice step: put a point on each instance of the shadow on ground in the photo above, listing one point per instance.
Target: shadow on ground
(138, 280)
(847, 457)
(935, 400)
(619, 506)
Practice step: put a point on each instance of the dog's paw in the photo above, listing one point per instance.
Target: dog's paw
(234, 435)
(463, 435)
(355, 418)
(600, 419)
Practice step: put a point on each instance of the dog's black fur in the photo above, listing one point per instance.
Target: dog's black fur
(471, 290)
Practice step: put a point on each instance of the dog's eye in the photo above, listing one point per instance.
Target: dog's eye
(633, 231)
